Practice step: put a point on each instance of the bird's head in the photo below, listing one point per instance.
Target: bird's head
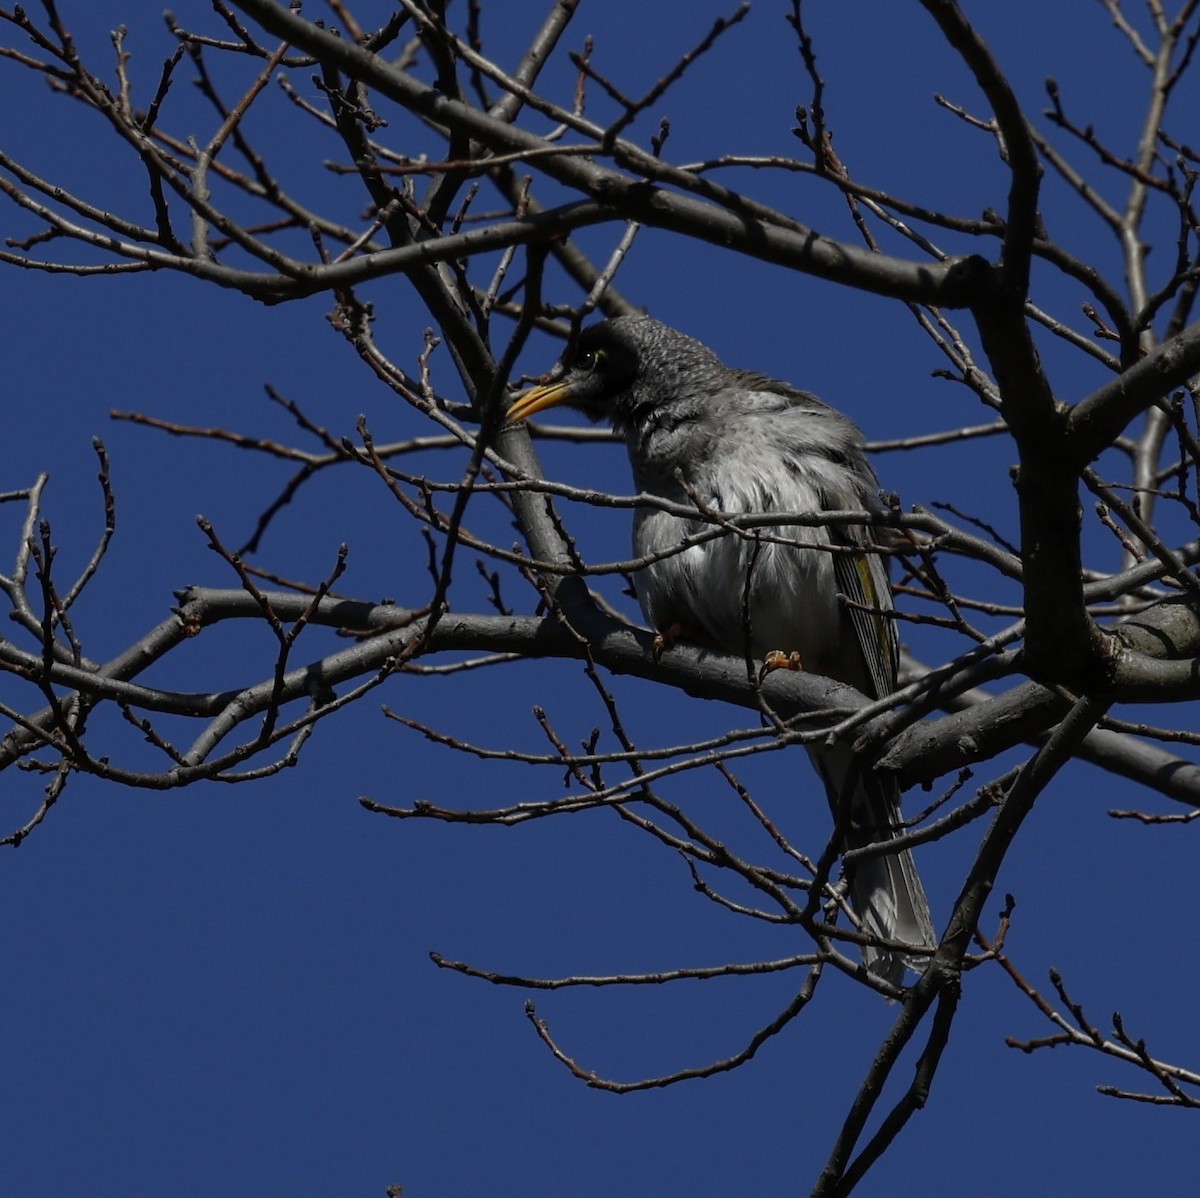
(622, 368)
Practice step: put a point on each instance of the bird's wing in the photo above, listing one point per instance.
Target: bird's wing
(862, 578)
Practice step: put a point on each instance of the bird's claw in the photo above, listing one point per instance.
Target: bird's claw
(778, 660)
(666, 637)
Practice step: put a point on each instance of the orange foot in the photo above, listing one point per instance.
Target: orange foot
(778, 660)
(667, 636)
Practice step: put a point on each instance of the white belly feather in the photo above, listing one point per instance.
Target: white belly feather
(791, 600)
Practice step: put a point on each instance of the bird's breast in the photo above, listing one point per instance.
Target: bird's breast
(720, 584)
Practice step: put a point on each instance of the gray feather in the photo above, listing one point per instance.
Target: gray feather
(749, 444)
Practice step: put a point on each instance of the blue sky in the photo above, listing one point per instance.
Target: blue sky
(227, 990)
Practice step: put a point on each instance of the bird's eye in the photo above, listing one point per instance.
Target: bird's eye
(588, 361)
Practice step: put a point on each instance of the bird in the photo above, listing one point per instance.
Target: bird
(740, 443)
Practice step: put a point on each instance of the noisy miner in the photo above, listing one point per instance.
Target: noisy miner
(737, 442)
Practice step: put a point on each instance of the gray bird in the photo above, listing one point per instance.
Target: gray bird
(749, 444)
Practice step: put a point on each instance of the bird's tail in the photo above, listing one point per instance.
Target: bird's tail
(885, 890)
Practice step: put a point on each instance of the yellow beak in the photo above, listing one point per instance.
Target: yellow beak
(537, 400)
